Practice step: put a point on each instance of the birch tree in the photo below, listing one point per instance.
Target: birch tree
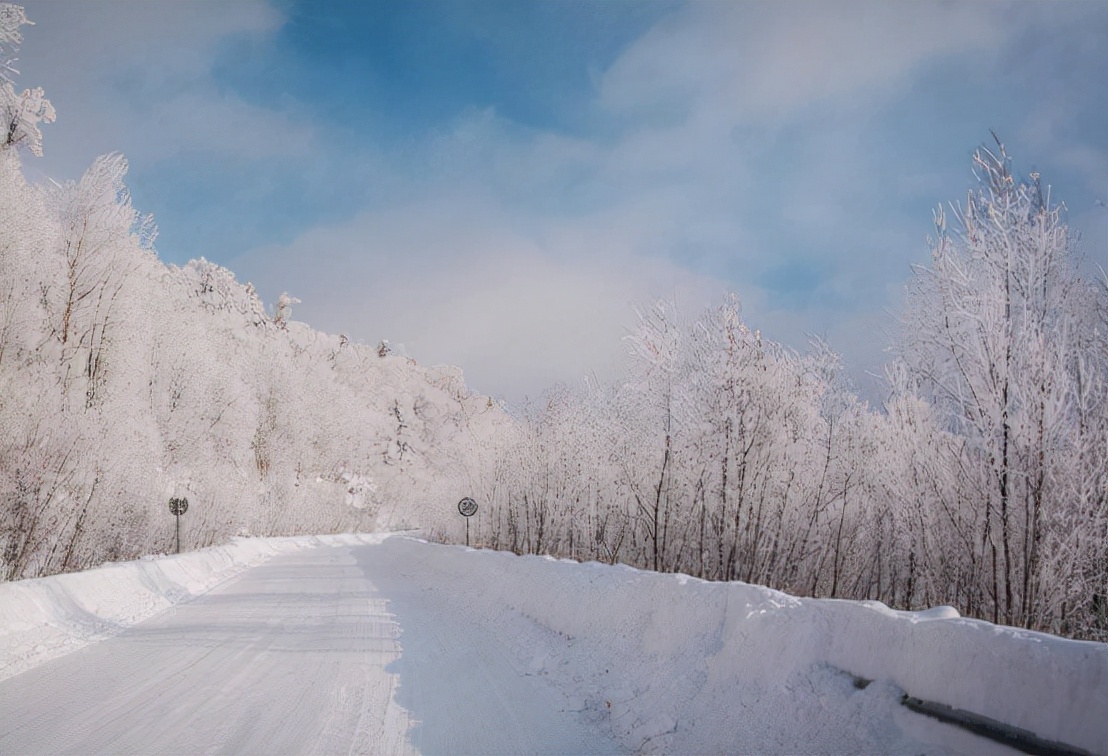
(97, 254)
(996, 330)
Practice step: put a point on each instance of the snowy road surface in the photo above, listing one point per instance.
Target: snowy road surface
(376, 644)
(297, 655)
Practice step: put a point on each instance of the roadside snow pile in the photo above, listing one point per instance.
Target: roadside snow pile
(663, 663)
(48, 617)
(681, 665)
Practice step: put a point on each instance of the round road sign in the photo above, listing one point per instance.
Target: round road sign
(178, 506)
(467, 507)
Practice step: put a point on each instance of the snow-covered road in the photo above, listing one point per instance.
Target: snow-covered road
(377, 644)
(297, 655)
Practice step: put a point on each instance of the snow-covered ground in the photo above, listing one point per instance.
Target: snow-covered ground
(47, 617)
(390, 644)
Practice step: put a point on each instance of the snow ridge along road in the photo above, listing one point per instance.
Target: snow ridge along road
(297, 655)
(392, 645)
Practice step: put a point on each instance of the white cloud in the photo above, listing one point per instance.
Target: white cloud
(523, 256)
(456, 281)
(168, 39)
(524, 265)
(763, 61)
(206, 120)
(136, 77)
(517, 252)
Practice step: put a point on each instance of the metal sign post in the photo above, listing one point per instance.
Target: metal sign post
(178, 507)
(467, 507)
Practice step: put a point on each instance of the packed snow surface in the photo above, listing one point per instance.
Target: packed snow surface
(392, 645)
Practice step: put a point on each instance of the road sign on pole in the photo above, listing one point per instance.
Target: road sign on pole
(467, 507)
(178, 507)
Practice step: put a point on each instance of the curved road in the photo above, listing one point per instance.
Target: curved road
(329, 650)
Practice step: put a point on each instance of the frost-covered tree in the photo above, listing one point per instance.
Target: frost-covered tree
(12, 17)
(283, 313)
(657, 392)
(997, 332)
(124, 381)
(20, 112)
(982, 484)
(97, 252)
(721, 454)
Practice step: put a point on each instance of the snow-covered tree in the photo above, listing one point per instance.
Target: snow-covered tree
(97, 252)
(124, 381)
(283, 312)
(20, 112)
(998, 334)
(12, 17)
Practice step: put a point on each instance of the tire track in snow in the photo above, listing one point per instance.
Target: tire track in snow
(257, 665)
(304, 654)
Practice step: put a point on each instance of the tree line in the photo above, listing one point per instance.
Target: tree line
(980, 483)
(125, 382)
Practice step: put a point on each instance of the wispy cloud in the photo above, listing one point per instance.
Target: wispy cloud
(734, 146)
(764, 61)
(518, 302)
(790, 152)
(139, 76)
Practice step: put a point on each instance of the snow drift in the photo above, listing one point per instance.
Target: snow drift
(682, 665)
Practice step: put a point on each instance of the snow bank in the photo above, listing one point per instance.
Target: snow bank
(683, 665)
(46, 617)
(669, 663)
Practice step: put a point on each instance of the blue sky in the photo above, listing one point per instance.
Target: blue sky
(496, 184)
